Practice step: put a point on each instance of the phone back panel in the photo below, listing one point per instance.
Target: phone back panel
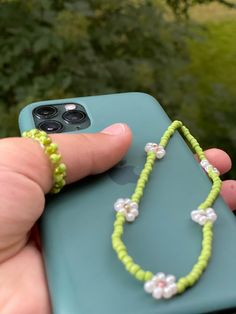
(84, 273)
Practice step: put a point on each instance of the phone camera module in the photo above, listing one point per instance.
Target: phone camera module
(74, 116)
(45, 112)
(51, 126)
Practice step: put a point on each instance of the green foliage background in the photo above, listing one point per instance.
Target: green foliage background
(56, 49)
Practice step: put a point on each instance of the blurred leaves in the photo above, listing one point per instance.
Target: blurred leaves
(210, 101)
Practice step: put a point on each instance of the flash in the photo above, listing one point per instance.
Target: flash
(70, 107)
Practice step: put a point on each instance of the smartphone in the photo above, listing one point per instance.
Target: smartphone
(83, 271)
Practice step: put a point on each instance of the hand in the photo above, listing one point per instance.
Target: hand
(25, 177)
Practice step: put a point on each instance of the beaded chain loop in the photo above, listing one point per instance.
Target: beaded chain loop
(51, 149)
(161, 285)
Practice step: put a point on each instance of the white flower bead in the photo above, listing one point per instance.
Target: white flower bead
(211, 214)
(159, 277)
(129, 217)
(216, 170)
(149, 286)
(134, 211)
(167, 293)
(208, 167)
(202, 220)
(204, 163)
(157, 149)
(173, 288)
(127, 207)
(202, 216)
(118, 206)
(194, 215)
(160, 152)
(157, 293)
(170, 279)
(151, 147)
(161, 286)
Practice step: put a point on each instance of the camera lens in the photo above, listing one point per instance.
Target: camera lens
(74, 116)
(50, 126)
(45, 112)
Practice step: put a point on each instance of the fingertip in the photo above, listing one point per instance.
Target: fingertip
(116, 129)
(228, 192)
(119, 130)
(219, 159)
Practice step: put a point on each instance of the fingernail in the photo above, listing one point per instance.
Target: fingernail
(114, 129)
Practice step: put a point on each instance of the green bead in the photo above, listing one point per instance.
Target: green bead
(202, 264)
(148, 168)
(140, 275)
(55, 190)
(208, 239)
(138, 190)
(55, 158)
(120, 215)
(207, 244)
(148, 275)
(180, 287)
(120, 247)
(45, 140)
(207, 247)
(135, 198)
(197, 273)
(129, 265)
(119, 229)
(58, 178)
(192, 278)
(122, 254)
(204, 255)
(116, 234)
(117, 223)
(208, 231)
(182, 284)
(115, 239)
(133, 270)
(141, 185)
(139, 193)
(127, 259)
(198, 267)
(35, 131)
(61, 168)
(62, 183)
(144, 175)
(151, 154)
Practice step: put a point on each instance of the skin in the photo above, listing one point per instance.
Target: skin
(25, 178)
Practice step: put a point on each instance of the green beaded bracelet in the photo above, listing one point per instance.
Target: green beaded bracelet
(51, 149)
(161, 285)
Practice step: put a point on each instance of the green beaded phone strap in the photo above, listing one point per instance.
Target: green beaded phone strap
(161, 285)
(51, 149)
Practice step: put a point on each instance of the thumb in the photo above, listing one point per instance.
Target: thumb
(87, 154)
(26, 174)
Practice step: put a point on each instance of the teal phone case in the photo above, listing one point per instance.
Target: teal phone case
(84, 273)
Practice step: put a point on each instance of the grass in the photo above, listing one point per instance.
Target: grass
(213, 12)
